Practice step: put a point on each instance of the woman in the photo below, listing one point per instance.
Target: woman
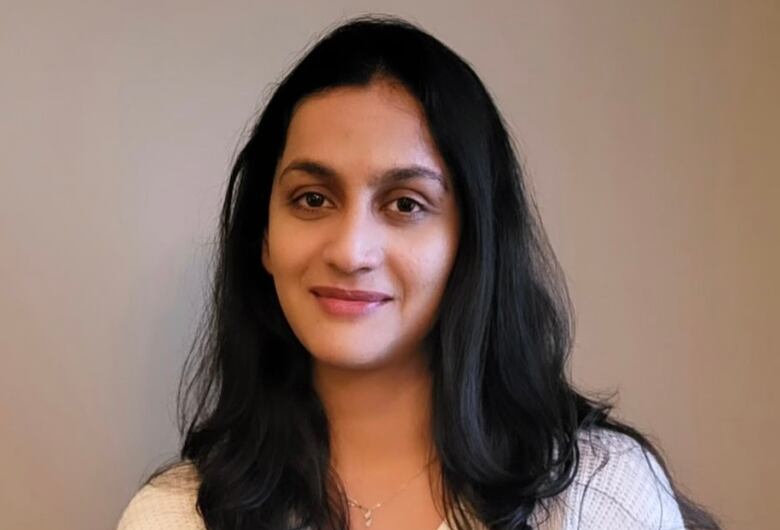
(389, 328)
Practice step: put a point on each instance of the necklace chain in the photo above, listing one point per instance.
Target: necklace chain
(368, 513)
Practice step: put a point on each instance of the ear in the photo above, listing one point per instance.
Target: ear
(266, 256)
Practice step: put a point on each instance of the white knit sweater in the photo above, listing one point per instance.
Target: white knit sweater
(618, 486)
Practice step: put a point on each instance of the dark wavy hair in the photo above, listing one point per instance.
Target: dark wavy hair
(505, 415)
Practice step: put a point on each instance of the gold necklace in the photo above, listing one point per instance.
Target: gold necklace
(368, 513)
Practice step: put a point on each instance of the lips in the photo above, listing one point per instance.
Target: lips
(350, 294)
(349, 303)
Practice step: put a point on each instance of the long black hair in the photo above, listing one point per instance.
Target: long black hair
(505, 415)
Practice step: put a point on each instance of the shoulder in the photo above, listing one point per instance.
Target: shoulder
(168, 501)
(618, 485)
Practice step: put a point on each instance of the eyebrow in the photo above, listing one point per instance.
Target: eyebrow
(390, 176)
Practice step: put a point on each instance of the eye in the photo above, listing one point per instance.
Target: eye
(408, 206)
(312, 201)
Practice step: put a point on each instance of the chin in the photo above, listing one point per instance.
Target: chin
(347, 360)
(359, 349)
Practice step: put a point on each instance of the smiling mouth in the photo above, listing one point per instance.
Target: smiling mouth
(343, 303)
(351, 295)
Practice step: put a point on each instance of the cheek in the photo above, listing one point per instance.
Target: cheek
(288, 247)
(289, 255)
(425, 265)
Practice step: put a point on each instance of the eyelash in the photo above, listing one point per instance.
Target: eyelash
(295, 202)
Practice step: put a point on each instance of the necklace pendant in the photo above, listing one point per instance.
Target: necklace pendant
(368, 518)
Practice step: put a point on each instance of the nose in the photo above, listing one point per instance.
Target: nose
(355, 241)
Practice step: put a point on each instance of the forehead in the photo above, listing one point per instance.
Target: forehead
(361, 130)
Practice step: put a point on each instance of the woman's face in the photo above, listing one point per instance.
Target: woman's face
(361, 201)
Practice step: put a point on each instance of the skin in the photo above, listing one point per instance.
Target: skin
(361, 232)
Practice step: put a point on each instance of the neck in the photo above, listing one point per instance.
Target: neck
(374, 414)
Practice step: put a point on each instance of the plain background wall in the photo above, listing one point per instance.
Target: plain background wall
(650, 131)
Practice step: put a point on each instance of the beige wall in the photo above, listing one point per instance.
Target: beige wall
(650, 130)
